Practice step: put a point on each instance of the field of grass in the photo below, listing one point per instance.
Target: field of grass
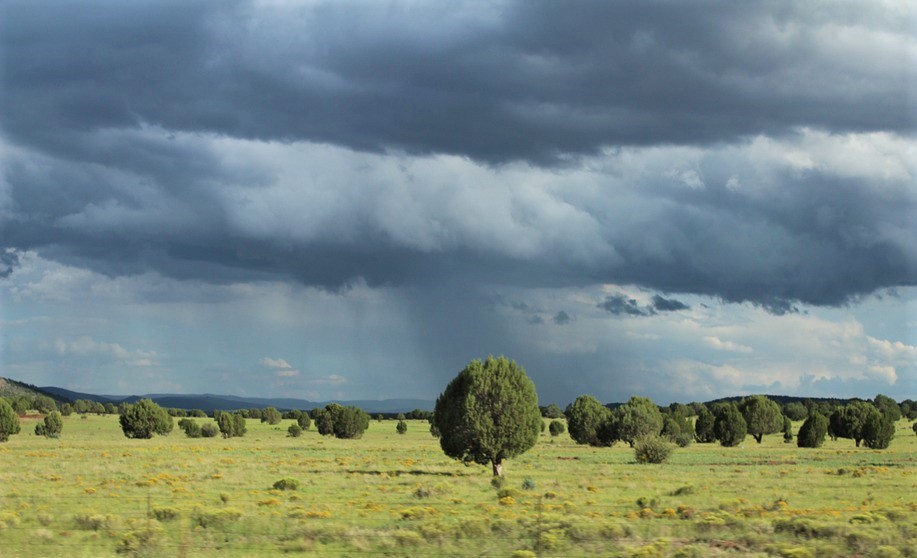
(94, 493)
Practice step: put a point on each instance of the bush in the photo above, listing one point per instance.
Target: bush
(556, 428)
(304, 421)
(286, 484)
(270, 415)
(652, 449)
(730, 427)
(401, 427)
(813, 431)
(703, 427)
(586, 417)
(294, 431)
(191, 428)
(51, 427)
(878, 430)
(145, 418)
(787, 430)
(209, 430)
(9, 421)
(342, 422)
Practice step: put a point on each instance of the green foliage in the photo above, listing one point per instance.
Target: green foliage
(286, 484)
(488, 413)
(787, 430)
(191, 428)
(9, 421)
(231, 425)
(796, 411)
(848, 421)
(294, 431)
(341, 422)
(652, 449)
(145, 418)
(51, 427)
(813, 431)
(762, 416)
(703, 426)
(556, 428)
(678, 430)
(66, 409)
(209, 430)
(586, 417)
(878, 430)
(270, 415)
(552, 411)
(729, 427)
(401, 427)
(638, 418)
(888, 407)
(304, 421)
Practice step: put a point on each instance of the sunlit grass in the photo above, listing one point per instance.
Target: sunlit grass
(95, 493)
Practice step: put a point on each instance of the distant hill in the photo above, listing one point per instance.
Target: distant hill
(210, 402)
(11, 389)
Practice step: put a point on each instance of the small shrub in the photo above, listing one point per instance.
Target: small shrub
(652, 449)
(164, 513)
(498, 482)
(209, 430)
(401, 427)
(209, 519)
(556, 428)
(286, 484)
(294, 431)
(528, 484)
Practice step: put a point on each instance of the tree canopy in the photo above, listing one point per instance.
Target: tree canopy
(586, 417)
(762, 416)
(488, 413)
(145, 418)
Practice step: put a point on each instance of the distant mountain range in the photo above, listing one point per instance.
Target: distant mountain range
(209, 402)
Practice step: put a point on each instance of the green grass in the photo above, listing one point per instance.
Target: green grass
(95, 493)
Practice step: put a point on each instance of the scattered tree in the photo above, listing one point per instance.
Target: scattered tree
(401, 427)
(848, 421)
(556, 428)
(51, 426)
(796, 411)
(270, 415)
(586, 417)
(678, 430)
(638, 418)
(488, 413)
(552, 411)
(9, 421)
(703, 427)
(813, 431)
(729, 427)
(762, 416)
(209, 430)
(294, 431)
(304, 421)
(787, 430)
(231, 425)
(145, 418)
(888, 407)
(341, 422)
(191, 428)
(878, 430)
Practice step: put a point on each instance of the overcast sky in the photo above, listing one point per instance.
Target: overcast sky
(354, 199)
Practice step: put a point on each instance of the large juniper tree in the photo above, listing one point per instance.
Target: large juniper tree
(762, 416)
(488, 413)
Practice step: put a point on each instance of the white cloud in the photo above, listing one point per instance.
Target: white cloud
(275, 363)
(287, 373)
(86, 346)
(716, 343)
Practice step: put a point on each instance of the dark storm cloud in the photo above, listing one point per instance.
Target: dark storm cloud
(661, 304)
(110, 107)
(561, 318)
(620, 305)
(9, 260)
(539, 81)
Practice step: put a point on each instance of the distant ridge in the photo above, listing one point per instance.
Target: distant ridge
(210, 402)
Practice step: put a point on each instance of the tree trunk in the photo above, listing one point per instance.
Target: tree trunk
(498, 467)
(758, 437)
(858, 442)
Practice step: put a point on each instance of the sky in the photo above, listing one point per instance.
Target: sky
(352, 200)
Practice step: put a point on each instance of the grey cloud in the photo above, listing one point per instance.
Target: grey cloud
(561, 318)
(116, 111)
(619, 305)
(662, 304)
(536, 81)
(9, 260)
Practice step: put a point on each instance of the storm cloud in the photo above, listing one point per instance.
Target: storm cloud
(760, 154)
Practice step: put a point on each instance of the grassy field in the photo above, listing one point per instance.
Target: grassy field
(94, 493)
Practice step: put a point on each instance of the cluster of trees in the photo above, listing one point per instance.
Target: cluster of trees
(340, 421)
(590, 422)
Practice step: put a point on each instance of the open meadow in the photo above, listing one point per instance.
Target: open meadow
(95, 493)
